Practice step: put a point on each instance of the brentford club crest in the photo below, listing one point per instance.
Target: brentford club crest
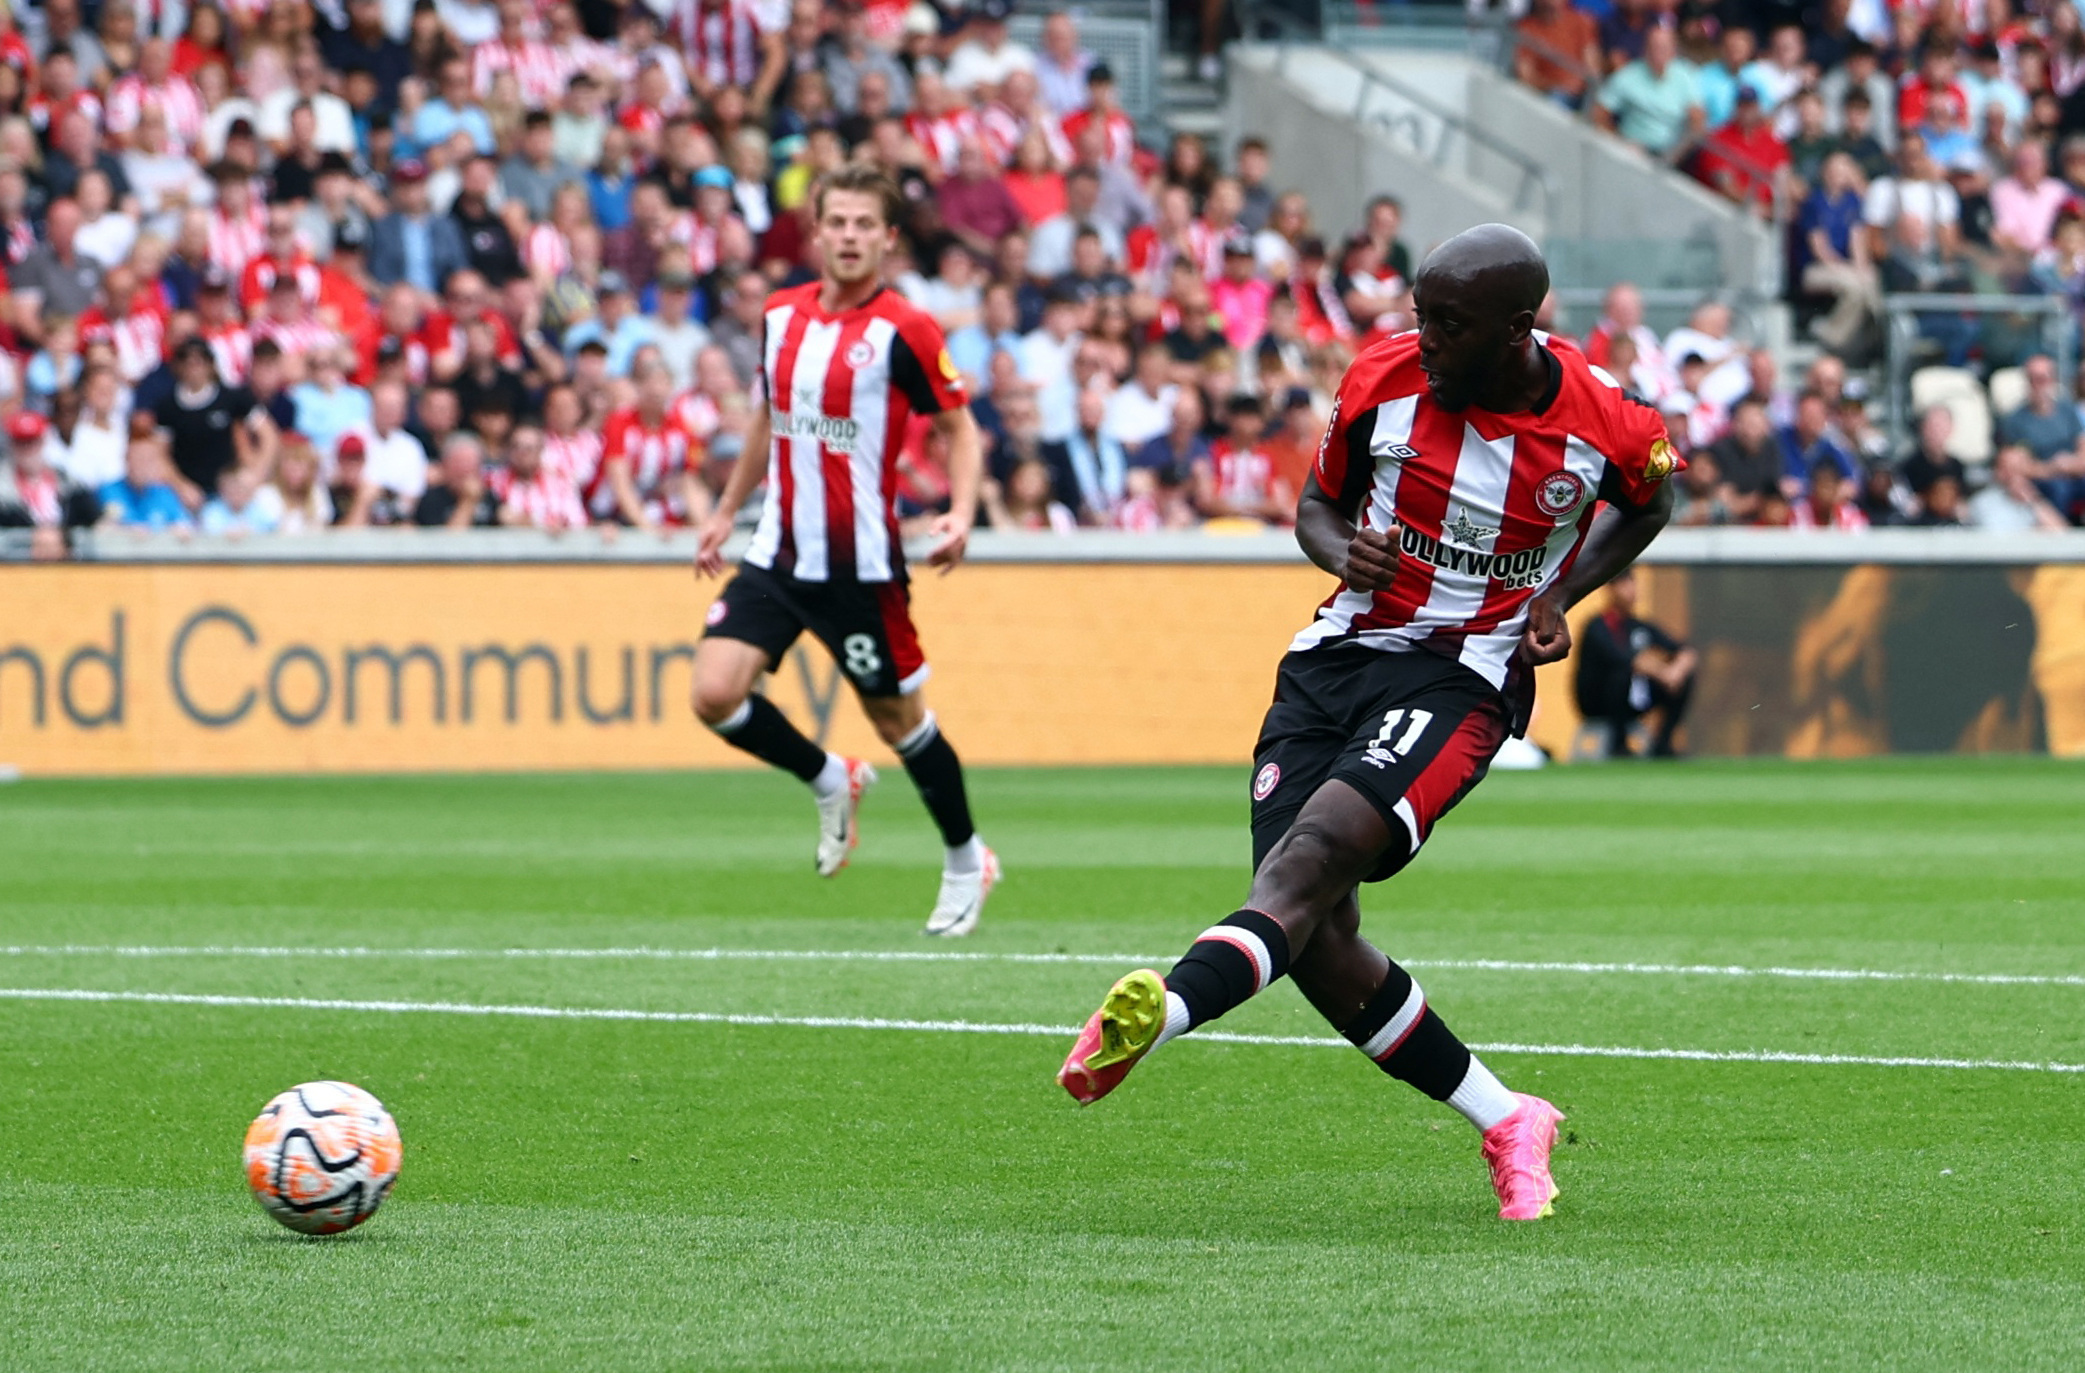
(717, 611)
(1264, 783)
(861, 354)
(1559, 494)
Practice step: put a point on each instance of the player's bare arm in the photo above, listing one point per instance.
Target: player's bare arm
(966, 468)
(745, 475)
(1365, 559)
(1620, 533)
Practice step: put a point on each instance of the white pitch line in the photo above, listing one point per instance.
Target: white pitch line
(978, 1027)
(956, 956)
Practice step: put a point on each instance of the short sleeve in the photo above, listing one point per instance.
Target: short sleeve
(1342, 469)
(1643, 456)
(922, 370)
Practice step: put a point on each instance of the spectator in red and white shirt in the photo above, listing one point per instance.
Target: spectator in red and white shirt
(939, 123)
(727, 44)
(281, 256)
(59, 92)
(1238, 478)
(538, 69)
(1826, 504)
(218, 324)
(1105, 110)
(649, 463)
(571, 448)
(238, 224)
(154, 83)
(532, 494)
(130, 320)
(289, 323)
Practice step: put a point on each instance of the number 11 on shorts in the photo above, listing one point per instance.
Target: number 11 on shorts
(1381, 752)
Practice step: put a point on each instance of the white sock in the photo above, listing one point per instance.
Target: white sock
(1176, 1018)
(1482, 1098)
(832, 779)
(965, 858)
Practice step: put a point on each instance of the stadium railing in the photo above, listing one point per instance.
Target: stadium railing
(2033, 324)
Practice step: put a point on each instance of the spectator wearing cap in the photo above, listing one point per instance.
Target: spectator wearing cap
(986, 56)
(616, 326)
(1062, 65)
(1745, 159)
(975, 203)
(533, 174)
(1654, 101)
(33, 493)
(149, 496)
(56, 278)
(412, 244)
(2024, 204)
(1240, 295)
(1050, 246)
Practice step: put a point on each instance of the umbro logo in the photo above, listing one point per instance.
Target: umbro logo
(1403, 452)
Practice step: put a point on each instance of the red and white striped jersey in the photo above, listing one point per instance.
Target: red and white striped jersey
(259, 278)
(840, 389)
(232, 347)
(1121, 145)
(139, 337)
(546, 501)
(296, 338)
(1244, 476)
(233, 243)
(1490, 509)
(722, 41)
(941, 137)
(177, 99)
(576, 457)
(538, 70)
(1003, 132)
(656, 457)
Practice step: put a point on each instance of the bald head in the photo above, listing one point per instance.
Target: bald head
(1496, 263)
(1477, 296)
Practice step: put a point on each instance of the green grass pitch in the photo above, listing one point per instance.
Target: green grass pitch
(619, 1194)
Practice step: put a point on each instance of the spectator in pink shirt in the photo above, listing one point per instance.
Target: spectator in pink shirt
(1240, 295)
(2024, 205)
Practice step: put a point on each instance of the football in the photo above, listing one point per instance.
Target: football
(321, 1157)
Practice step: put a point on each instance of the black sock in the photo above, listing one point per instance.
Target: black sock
(938, 773)
(761, 729)
(1233, 961)
(1407, 1040)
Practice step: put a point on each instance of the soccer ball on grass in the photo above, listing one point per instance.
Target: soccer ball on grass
(321, 1157)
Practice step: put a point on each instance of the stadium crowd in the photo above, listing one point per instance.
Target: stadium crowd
(298, 264)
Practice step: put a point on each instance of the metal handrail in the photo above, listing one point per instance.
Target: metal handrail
(1532, 172)
(1901, 334)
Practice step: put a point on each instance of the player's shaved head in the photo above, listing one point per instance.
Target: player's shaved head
(1476, 297)
(1497, 263)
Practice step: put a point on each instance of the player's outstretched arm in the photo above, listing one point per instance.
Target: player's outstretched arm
(1365, 559)
(1619, 534)
(966, 468)
(745, 475)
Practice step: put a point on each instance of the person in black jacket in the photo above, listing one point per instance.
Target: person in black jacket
(1627, 668)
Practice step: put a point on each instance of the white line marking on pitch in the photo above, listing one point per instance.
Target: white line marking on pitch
(1502, 965)
(978, 1027)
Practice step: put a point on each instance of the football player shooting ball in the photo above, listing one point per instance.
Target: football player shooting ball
(1479, 478)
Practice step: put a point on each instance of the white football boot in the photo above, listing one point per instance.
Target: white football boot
(837, 831)
(962, 899)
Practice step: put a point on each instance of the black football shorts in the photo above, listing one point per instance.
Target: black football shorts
(866, 626)
(1411, 731)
